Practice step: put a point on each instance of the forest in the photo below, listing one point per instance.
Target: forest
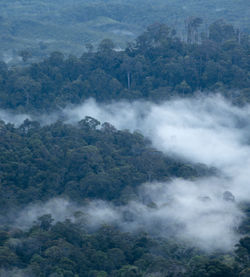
(43, 26)
(157, 66)
(91, 160)
(83, 163)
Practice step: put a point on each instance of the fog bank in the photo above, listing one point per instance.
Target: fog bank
(207, 130)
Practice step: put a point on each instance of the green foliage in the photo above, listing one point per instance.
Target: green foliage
(44, 26)
(89, 160)
(108, 252)
(157, 66)
(80, 161)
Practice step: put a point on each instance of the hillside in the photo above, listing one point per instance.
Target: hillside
(156, 67)
(129, 163)
(67, 26)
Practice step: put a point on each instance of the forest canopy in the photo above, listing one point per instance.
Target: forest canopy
(157, 66)
(90, 160)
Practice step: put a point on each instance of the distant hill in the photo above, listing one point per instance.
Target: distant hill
(43, 26)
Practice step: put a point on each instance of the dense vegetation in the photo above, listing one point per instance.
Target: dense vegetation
(157, 66)
(38, 163)
(66, 250)
(43, 26)
(91, 161)
(79, 162)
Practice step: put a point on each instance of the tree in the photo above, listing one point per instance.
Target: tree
(154, 37)
(106, 46)
(192, 25)
(127, 66)
(56, 58)
(89, 47)
(219, 31)
(25, 54)
(129, 271)
(45, 222)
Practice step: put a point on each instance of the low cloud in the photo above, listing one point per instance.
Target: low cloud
(201, 213)
(15, 273)
(208, 130)
(10, 117)
(92, 215)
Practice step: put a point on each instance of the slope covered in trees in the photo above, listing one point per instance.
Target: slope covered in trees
(86, 161)
(65, 249)
(43, 26)
(156, 67)
(90, 161)
(79, 162)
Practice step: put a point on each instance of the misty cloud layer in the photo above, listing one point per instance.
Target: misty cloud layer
(194, 212)
(15, 273)
(205, 130)
(16, 119)
(204, 212)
